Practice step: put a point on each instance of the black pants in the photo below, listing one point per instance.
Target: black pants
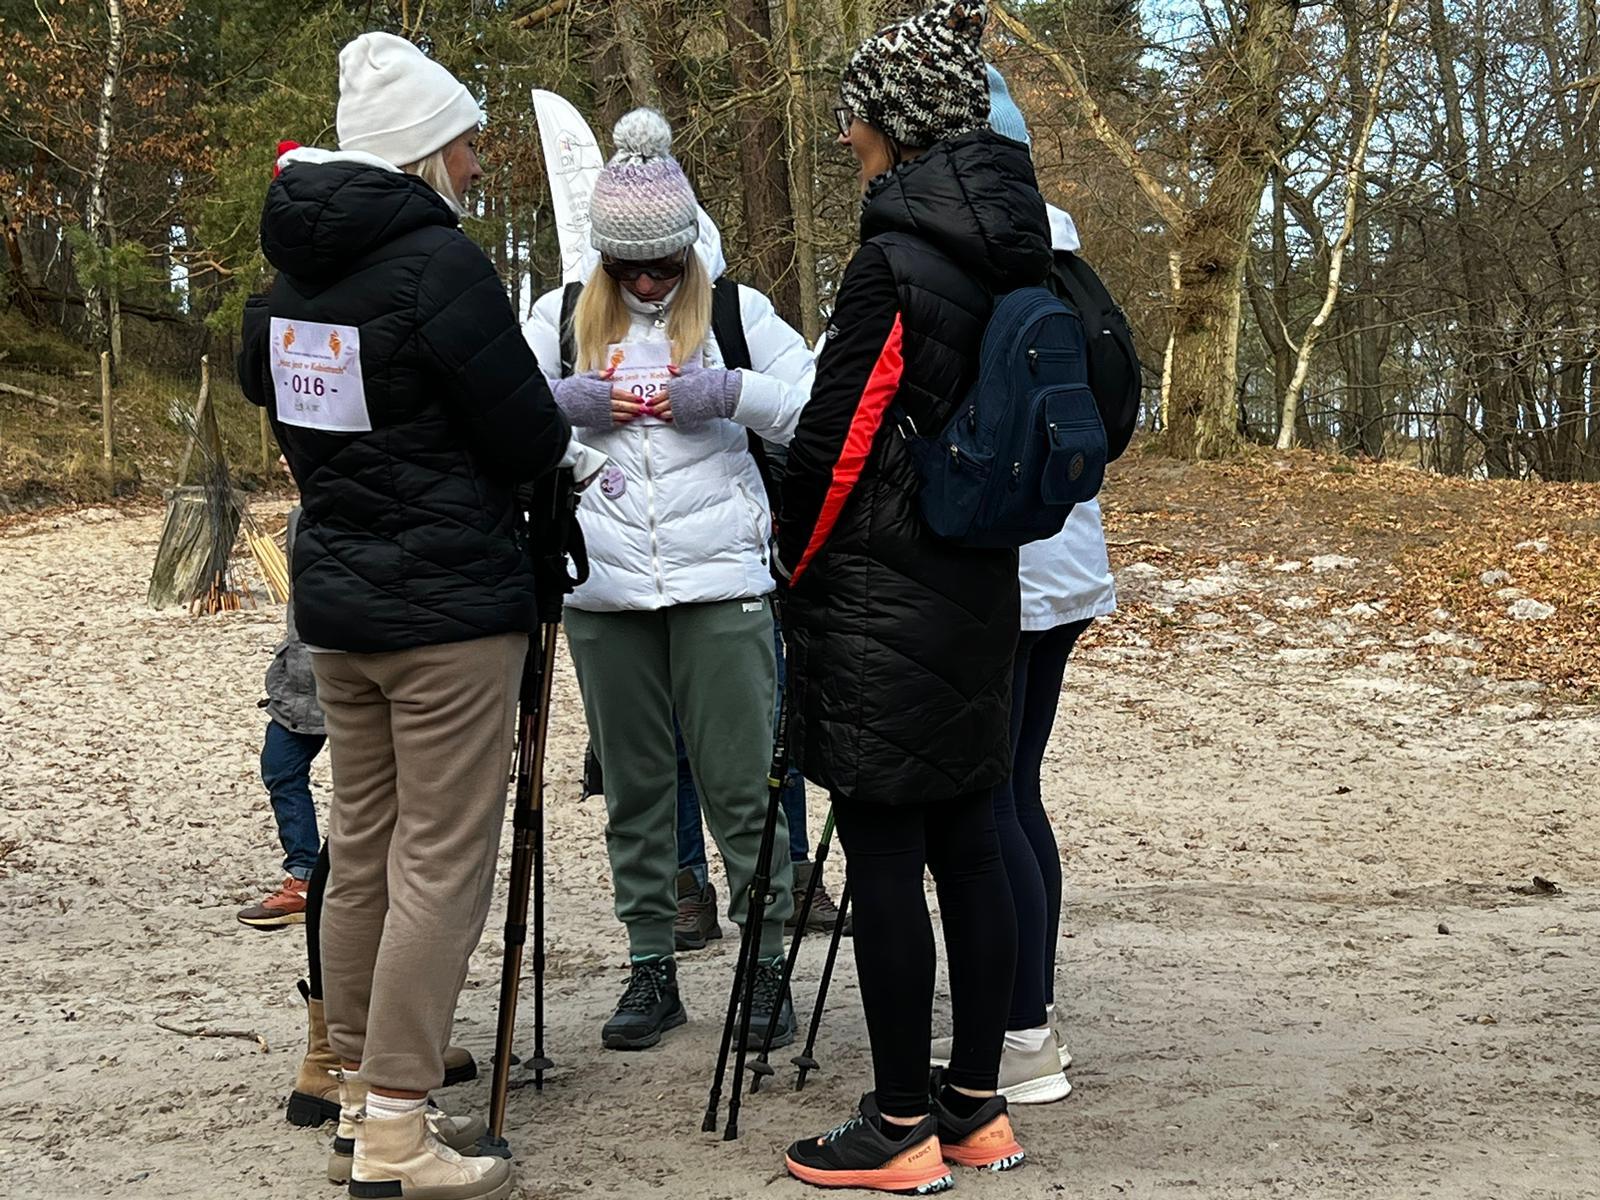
(1027, 843)
(888, 847)
(314, 890)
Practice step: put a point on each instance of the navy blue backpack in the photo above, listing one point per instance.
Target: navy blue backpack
(1027, 443)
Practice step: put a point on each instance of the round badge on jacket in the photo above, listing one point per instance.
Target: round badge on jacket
(613, 483)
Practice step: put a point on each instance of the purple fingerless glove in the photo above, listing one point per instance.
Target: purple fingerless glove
(585, 400)
(700, 395)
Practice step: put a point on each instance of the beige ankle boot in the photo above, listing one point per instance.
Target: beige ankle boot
(405, 1151)
(315, 1097)
(461, 1134)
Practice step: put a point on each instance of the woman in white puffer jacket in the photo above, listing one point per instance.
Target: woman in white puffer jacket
(675, 617)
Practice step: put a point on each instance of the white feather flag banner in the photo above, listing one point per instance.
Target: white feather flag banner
(572, 160)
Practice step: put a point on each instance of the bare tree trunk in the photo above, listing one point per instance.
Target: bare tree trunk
(802, 172)
(769, 218)
(94, 222)
(622, 81)
(1355, 183)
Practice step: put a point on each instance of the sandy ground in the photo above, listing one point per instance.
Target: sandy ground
(1293, 961)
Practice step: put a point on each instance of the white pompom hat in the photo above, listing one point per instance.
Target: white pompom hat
(397, 103)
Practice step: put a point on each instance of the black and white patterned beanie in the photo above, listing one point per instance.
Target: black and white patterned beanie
(922, 80)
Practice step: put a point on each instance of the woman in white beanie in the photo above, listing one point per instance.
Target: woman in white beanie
(390, 362)
(675, 617)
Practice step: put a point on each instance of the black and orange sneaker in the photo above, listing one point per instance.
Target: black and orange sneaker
(984, 1141)
(858, 1154)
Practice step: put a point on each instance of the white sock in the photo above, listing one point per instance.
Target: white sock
(383, 1108)
(1027, 1041)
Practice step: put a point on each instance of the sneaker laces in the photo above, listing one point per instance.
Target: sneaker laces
(769, 989)
(838, 1131)
(645, 987)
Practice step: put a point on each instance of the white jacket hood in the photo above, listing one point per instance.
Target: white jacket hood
(1067, 578)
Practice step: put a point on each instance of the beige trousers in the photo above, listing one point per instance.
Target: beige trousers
(421, 748)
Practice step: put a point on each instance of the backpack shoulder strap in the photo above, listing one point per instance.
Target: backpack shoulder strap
(569, 346)
(727, 325)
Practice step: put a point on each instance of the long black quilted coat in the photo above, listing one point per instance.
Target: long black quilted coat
(411, 535)
(901, 643)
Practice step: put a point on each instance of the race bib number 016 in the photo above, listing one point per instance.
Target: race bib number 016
(316, 374)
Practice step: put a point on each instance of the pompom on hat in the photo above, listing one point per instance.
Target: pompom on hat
(922, 80)
(643, 207)
(397, 103)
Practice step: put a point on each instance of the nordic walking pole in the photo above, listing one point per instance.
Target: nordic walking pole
(806, 1059)
(552, 526)
(744, 975)
(762, 1068)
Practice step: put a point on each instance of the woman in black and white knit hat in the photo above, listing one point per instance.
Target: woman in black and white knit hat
(900, 642)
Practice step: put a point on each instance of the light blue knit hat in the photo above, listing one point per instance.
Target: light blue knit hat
(1005, 118)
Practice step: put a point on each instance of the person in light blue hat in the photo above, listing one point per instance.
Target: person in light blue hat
(1066, 583)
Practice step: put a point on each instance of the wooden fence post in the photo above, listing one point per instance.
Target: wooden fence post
(105, 421)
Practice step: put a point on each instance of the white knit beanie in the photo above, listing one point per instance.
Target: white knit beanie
(643, 207)
(397, 103)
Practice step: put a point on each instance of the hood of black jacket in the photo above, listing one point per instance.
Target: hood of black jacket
(321, 217)
(975, 198)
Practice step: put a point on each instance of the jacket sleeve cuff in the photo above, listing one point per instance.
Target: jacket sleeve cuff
(763, 409)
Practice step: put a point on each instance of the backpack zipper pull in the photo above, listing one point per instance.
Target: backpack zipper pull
(1033, 360)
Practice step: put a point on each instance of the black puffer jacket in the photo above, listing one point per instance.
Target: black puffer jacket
(411, 534)
(900, 643)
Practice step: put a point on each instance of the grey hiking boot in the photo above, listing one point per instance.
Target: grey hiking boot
(649, 1007)
(772, 1005)
(697, 914)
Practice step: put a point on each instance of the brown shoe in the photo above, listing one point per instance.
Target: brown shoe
(286, 906)
(315, 1097)
(824, 913)
(697, 914)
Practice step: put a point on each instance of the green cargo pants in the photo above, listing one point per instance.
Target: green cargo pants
(712, 664)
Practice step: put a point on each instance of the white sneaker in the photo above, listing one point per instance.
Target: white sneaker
(459, 1133)
(1025, 1077)
(397, 1157)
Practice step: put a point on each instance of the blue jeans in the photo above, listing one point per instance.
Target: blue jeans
(691, 835)
(286, 770)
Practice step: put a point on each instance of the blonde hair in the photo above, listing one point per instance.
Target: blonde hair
(433, 172)
(601, 318)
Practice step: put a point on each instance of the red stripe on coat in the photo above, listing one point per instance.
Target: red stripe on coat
(882, 386)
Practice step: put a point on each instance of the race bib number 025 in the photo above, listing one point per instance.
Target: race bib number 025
(316, 374)
(643, 368)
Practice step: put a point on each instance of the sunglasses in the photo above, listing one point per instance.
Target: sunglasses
(662, 270)
(845, 118)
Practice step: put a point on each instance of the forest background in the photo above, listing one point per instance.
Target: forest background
(1369, 227)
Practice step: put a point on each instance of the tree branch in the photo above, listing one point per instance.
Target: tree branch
(1167, 208)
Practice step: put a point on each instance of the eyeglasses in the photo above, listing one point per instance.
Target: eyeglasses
(845, 118)
(662, 270)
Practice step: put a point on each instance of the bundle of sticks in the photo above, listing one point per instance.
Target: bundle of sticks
(274, 566)
(221, 597)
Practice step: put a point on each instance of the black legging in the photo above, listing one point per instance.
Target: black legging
(314, 890)
(1027, 843)
(887, 848)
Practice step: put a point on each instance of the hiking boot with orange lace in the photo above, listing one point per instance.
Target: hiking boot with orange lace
(286, 906)
(984, 1140)
(858, 1154)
